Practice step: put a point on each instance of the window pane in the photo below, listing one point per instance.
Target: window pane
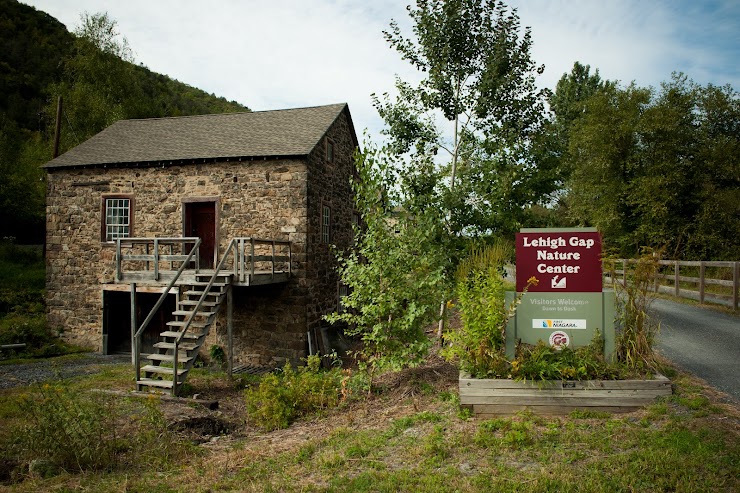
(117, 218)
(325, 225)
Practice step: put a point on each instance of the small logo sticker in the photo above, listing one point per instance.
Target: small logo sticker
(559, 339)
(558, 284)
(563, 323)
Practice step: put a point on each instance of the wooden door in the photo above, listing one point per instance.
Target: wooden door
(200, 221)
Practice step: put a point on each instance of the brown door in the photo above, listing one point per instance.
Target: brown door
(200, 221)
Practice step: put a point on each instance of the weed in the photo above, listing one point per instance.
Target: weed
(218, 355)
(281, 398)
(588, 414)
(71, 431)
(636, 329)
(480, 294)
(465, 413)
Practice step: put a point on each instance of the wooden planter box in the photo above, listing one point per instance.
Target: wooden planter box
(491, 397)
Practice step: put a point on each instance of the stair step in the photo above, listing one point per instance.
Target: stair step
(197, 294)
(163, 370)
(205, 283)
(169, 358)
(195, 302)
(151, 382)
(221, 278)
(184, 346)
(188, 335)
(181, 323)
(185, 313)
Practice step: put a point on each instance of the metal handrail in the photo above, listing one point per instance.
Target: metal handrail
(163, 296)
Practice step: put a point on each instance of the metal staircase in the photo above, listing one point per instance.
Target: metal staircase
(178, 347)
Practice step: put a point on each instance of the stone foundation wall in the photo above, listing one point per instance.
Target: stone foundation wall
(329, 184)
(264, 199)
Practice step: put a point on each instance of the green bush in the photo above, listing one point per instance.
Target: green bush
(543, 362)
(281, 398)
(31, 329)
(480, 288)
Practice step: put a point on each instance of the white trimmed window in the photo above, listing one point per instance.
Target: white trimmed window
(326, 224)
(117, 218)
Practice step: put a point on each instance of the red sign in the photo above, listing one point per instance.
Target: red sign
(562, 260)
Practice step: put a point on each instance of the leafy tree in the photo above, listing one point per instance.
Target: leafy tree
(479, 75)
(601, 154)
(397, 270)
(98, 80)
(94, 71)
(659, 168)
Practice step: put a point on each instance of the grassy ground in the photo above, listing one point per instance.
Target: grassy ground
(411, 436)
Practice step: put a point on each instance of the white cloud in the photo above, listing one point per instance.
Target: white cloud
(290, 53)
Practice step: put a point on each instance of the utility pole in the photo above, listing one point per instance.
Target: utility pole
(58, 128)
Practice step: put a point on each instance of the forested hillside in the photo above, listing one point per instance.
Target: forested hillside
(95, 73)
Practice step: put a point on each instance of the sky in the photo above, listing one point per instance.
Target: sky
(294, 53)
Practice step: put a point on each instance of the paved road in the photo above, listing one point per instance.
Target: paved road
(702, 341)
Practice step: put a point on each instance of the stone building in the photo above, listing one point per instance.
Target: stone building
(277, 175)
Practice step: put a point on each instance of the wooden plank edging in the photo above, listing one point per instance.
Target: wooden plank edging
(506, 396)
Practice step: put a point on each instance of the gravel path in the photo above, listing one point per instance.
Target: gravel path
(51, 369)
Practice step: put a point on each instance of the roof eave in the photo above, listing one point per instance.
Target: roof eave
(172, 162)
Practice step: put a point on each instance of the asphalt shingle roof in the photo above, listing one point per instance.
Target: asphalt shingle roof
(278, 133)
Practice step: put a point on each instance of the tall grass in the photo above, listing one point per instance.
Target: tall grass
(636, 329)
(69, 429)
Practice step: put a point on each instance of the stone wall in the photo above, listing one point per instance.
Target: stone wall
(280, 199)
(329, 184)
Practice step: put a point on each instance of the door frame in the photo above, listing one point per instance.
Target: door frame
(216, 219)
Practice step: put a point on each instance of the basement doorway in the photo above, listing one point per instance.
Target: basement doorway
(117, 320)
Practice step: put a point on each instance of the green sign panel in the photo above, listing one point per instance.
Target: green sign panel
(562, 319)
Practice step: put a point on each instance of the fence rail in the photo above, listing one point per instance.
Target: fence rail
(702, 281)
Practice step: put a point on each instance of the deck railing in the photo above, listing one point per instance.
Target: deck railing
(156, 253)
(245, 256)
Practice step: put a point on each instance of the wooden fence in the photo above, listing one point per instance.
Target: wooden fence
(701, 282)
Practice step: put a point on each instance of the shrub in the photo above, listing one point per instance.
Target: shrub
(281, 398)
(32, 330)
(480, 290)
(543, 362)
